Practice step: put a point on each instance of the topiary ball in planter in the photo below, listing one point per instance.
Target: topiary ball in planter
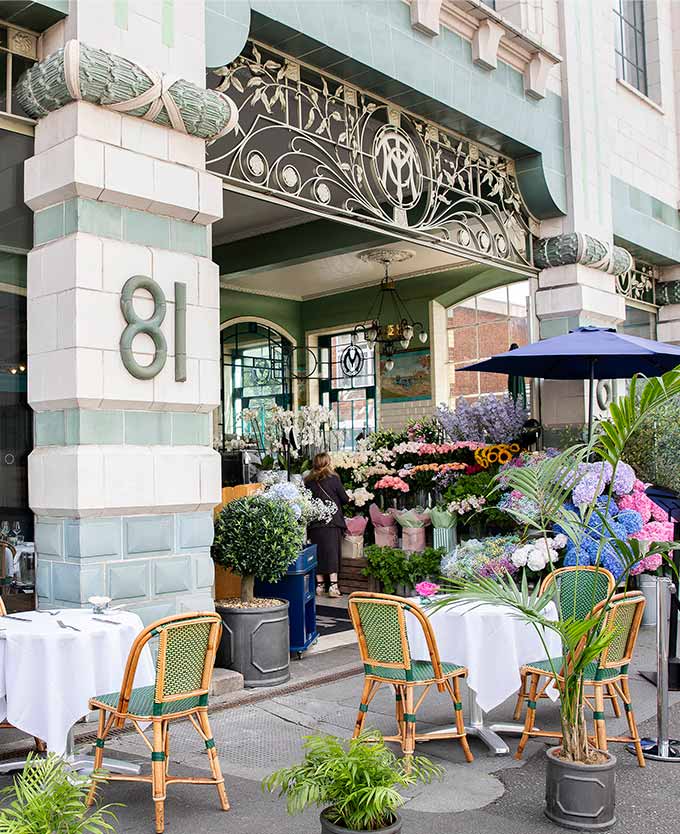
(256, 538)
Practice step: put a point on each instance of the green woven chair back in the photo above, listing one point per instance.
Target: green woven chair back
(579, 591)
(623, 619)
(184, 652)
(384, 631)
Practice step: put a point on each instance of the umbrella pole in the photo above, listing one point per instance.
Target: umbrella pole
(591, 400)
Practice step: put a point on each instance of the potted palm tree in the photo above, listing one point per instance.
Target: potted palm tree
(48, 797)
(357, 781)
(589, 802)
(256, 538)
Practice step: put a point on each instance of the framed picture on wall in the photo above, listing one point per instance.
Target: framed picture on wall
(409, 379)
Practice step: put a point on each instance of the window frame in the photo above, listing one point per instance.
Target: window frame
(632, 70)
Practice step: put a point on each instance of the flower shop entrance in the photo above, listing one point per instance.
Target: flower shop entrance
(318, 175)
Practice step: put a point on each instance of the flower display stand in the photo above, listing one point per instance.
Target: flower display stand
(298, 588)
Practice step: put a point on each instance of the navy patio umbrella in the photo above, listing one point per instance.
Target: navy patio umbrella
(585, 353)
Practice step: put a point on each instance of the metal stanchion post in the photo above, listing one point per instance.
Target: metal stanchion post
(661, 748)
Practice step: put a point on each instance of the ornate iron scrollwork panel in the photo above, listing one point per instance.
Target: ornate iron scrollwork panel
(337, 150)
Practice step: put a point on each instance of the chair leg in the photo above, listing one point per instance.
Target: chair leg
(530, 714)
(214, 759)
(409, 745)
(158, 775)
(98, 755)
(399, 710)
(460, 723)
(611, 691)
(521, 697)
(632, 724)
(363, 707)
(598, 717)
(40, 746)
(166, 747)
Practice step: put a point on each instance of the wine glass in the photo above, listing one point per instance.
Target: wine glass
(16, 529)
(4, 529)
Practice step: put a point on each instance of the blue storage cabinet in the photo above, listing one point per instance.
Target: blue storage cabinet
(298, 586)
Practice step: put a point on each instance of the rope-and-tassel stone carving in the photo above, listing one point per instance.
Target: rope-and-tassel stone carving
(576, 248)
(80, 72)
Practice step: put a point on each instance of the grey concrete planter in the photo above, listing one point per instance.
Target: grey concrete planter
(329, 828)
(580, 796)
(255, 643)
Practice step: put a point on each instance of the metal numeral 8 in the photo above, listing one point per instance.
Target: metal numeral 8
(137, 325)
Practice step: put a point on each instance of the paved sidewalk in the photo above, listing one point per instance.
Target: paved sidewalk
(488, 796)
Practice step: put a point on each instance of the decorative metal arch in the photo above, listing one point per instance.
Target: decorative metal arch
(316, 143)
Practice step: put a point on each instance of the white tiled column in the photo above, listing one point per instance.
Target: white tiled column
(576, 295)
(123, 478)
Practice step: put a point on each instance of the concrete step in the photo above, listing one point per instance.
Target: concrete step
(225, 681)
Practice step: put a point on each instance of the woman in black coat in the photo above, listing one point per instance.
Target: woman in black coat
(324, 483)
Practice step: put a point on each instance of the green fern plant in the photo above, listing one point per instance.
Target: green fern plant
(47, 797)
(358, 781)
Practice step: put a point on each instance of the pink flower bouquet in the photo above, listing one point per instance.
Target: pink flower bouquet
(385, 527)
(356, 525)
(427, 589)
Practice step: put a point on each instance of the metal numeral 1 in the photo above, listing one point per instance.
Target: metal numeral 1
(152, 328)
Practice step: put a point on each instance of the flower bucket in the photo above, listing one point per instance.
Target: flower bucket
(444, 537)
(413, 539)
(386, 536)
(352, 547)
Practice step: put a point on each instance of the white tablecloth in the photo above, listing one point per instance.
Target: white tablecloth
(490, 641)
(48, 674)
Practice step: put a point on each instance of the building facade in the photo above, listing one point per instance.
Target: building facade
(206, 203)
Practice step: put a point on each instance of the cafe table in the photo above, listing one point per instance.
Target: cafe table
(493, 642)
(53, 662)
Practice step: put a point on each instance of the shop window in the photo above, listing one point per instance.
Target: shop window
(18, 51)
(352, 397)
(16, 418)
(631, 54)
(256, 373)
(481, 327)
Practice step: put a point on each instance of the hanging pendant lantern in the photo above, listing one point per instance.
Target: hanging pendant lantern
(389, 324)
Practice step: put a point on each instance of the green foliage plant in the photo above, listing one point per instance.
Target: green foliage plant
(47, 797)
(256, 538)
(359, 781)
(549, 485)
(391, 566)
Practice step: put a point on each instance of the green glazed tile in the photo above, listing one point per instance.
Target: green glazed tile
(48, 224)
(99, 218)
(190, 429)
(146, 229)
(188, 237)
(49, 428)
(147, 428)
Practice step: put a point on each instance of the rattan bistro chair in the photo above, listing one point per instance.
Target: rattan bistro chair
(40, 745)
(380, 623)
(624, 615)
(187, 644)
(577, 589)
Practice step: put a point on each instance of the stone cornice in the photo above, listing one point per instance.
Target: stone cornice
(493, 38)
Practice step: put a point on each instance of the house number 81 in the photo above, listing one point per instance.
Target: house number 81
(152, 328)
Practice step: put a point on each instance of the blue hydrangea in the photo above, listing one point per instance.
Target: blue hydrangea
(630, 520)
